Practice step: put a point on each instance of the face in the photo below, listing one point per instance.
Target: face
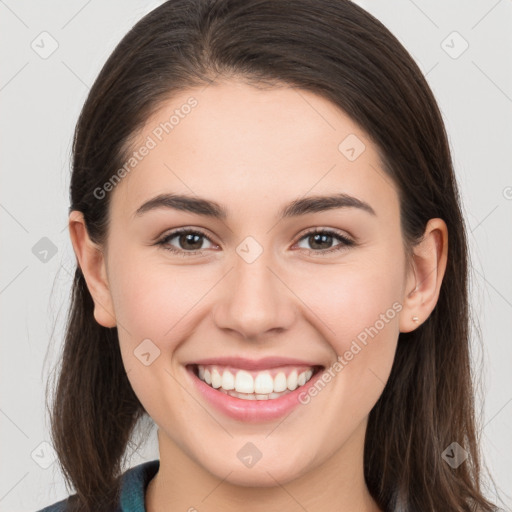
(277, 285)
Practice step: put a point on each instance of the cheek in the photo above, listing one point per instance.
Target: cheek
(358, 307)
(154, 311)
(359, 311)
(151, 299)
(351, 300)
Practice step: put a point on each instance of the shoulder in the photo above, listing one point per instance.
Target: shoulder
(133, 488)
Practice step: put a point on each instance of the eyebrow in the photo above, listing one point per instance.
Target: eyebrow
(212, 209)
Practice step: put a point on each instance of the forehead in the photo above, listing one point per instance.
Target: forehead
(241, 145)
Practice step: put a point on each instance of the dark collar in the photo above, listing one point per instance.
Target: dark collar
(133, 486)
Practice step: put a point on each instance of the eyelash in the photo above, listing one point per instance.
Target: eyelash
(346, 242)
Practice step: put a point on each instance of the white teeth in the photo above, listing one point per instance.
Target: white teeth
(280, 382)
(228, 381)
(216, 378)
(292, 380)
(252, 396)
(248, 396)
(244, 383)
(261, 387)
(263, 383)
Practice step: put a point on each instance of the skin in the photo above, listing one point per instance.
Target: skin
(253, 151)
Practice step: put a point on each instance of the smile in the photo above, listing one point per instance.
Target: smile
(252, 390)
(255, 385)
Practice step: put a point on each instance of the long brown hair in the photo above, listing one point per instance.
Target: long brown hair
(339, 51)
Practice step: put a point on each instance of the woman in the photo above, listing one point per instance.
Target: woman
(309, 349)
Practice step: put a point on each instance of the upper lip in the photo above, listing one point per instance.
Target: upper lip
(254, 364)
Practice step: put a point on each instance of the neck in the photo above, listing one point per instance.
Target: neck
(335, 484)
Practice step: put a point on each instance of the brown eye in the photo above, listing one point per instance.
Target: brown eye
(188, 241)
(321, 241)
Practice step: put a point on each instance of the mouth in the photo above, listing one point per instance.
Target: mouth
(244, 384)
(253, 390)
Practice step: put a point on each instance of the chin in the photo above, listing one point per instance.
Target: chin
(267, 473)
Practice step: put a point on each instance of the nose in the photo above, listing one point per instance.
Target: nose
(255, 300)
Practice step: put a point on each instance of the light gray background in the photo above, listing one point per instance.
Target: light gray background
(40, 102)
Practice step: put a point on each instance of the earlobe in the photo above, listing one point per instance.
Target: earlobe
(424, 280)
(91, 260)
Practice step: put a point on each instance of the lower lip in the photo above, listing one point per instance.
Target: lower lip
(253, 410)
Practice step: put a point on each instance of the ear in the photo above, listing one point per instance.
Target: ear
(425, 277)
(91, 260)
